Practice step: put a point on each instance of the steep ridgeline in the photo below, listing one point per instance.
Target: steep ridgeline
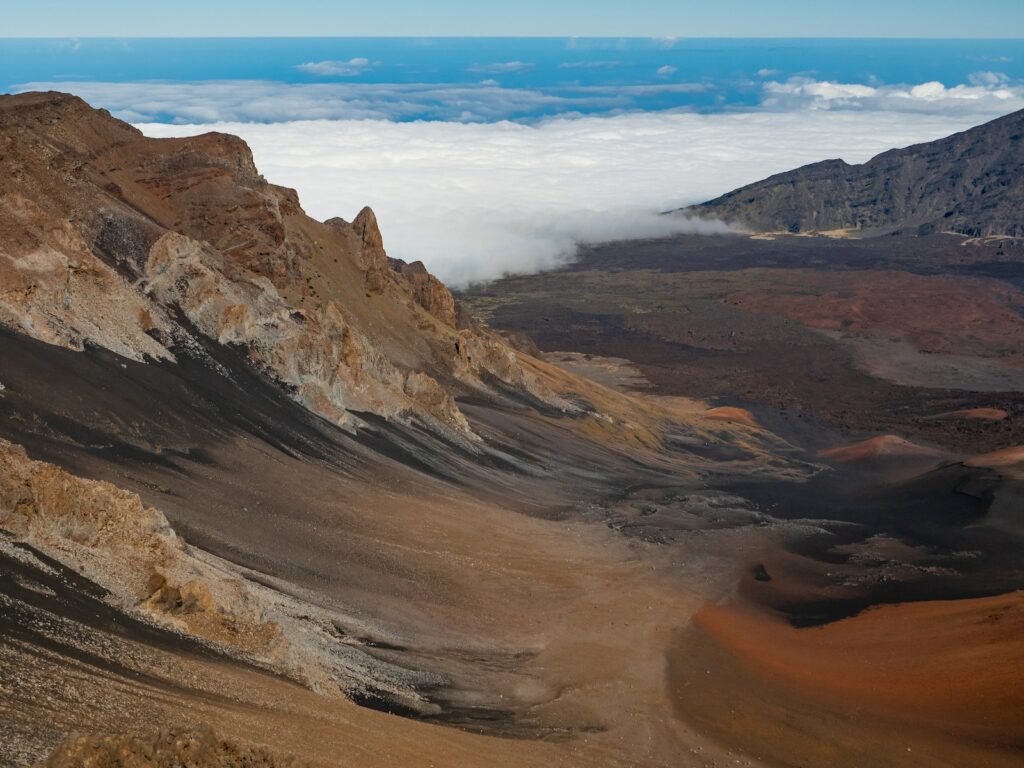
(971, 183)
(137, 245)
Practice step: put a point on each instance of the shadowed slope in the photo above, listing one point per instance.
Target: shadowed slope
(971, 183)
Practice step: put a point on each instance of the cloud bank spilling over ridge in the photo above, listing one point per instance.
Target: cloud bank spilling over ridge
(475, 201)
(474, 195)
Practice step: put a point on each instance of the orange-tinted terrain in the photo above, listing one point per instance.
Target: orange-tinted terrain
(889, 636)
(269, 497)
(930, 683)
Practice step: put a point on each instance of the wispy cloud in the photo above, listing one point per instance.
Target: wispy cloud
(988, 79)
(666, 70)
(992, 59)
(988, 93)
(334, 68)
(591, 64)
(502, 67)
(261, 101)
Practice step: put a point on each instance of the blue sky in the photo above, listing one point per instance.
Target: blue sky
(721, 18)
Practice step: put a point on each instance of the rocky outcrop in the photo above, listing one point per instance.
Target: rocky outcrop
(54, 288)
(485, 355)
(372, 258)
(318, 352)
(427, 291)
(971, 183)
(109, 536)
(170, 747)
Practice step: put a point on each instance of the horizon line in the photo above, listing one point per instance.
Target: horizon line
(1019, 38)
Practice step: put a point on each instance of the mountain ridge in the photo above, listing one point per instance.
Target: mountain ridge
(109, 236)
(970, 183)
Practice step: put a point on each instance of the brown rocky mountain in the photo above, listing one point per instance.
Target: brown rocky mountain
(971, 183)
(242, 449)
(269, 497)
(136, 245)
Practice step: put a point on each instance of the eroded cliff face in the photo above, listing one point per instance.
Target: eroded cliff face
(317, 350)
(54, 288)
(427, 291)
(135, 245)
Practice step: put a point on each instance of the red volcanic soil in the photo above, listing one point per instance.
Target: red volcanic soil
(731, 415)
(1007, 457)
(932, 683)
(957, 662)
(979, 414)
(937, 313)
(832, 340)
(881, 447)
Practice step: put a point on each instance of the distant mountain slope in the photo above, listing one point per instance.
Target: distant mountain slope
(971, 183)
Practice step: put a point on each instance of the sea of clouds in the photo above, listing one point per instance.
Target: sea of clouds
(475, 196)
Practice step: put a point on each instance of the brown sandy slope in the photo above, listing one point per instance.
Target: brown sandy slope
(935, 683)
(551, 630)
(484, 584)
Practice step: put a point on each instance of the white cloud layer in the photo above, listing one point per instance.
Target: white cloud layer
(333, 68)
(502, 67)
(987, 95)
(475, 201)
(987, 92)
(611, 64)
(263, 101)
